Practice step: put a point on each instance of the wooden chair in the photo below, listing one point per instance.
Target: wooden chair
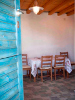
(25, 65)
(46, 65)
(64, 53)
(59, 64)
(72, 63)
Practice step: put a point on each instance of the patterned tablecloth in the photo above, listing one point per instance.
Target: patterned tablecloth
(68, 66)
(35, 63)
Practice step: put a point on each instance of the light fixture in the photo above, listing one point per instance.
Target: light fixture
(36, 7)
(19, 12)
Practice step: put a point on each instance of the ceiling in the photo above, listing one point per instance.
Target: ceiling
(50, 6)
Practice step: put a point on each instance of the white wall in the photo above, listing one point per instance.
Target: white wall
(47, 34)
(74, 37)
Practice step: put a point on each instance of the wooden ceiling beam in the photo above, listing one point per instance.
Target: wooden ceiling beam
(68, 9)
(29, 11)
(44, 6)
(21, 3)
(70, 13)
(64, 4)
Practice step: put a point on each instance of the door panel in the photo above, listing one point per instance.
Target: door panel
(7, 52)
(11, 74)
(6, 18)
(8, 30)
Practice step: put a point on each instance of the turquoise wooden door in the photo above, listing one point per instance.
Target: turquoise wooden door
(11, 75)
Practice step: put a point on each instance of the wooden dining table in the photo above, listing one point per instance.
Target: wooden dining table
(35, 63)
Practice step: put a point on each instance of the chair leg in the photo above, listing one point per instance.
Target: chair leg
(51, 74)
(37, 73)
(47, 72)
(55, 73)
(30, 74)
(67, 75)
(27, 72)
(59, 71)
(41, 76)
(64, 72)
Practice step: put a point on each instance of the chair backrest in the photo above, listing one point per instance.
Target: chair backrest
(64, 53)
(46, 61)
(59, 60)
(24, 59)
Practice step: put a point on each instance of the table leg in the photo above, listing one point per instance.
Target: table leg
(67, 75)
(34, 79)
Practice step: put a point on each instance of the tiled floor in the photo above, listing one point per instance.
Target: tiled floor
(61, 89)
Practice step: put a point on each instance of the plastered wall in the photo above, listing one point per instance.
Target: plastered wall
(74, 37)
(47, 34)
